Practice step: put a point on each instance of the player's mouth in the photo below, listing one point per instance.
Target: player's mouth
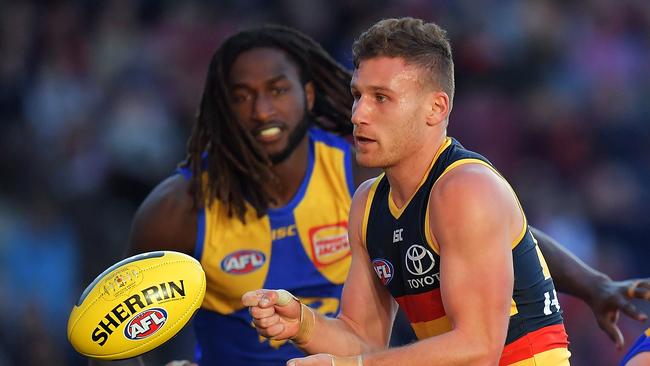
(362, 140)
(268, 133)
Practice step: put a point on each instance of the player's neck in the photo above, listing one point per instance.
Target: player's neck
(291, 172)
(405, 177)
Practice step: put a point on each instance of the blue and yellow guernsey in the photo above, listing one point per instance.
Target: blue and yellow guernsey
(302, 247)
(642, 344)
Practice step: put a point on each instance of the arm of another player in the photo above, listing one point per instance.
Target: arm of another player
(166, 219)
(367, 309)
(605, 297)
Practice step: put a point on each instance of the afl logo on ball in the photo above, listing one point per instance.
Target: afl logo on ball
(243, 261)
(145, 323)
(384, 270)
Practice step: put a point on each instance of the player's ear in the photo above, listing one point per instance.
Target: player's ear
(310, 95)
(438, 107)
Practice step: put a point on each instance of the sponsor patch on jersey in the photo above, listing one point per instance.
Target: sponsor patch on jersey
(243, 261)
(145, 323)
(384, 270)
(419, 260)
(329, 243)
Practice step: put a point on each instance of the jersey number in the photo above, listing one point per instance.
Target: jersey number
(548, 302)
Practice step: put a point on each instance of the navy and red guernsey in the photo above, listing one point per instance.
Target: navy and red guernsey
(406, 259)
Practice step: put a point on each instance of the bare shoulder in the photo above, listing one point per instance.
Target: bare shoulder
(361, 194)
(166, 219)
(477, 196)
(471, 184)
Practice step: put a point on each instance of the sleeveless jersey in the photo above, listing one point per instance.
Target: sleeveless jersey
(302, 247)
(642, 344)
(407, 262)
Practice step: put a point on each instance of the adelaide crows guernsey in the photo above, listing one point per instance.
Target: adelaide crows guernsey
(641, 345)
(407, 261)
(302, 247)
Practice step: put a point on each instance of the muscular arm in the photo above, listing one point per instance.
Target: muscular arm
(166, 220)
(474, 218)
(480, 222)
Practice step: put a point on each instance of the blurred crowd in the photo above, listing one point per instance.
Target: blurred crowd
(97, 99)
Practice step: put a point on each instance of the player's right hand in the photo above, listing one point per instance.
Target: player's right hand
(276, 313)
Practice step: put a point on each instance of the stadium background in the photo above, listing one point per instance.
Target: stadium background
(97, 99)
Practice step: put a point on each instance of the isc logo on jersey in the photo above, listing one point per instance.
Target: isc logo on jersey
(145, 323)
(329, 243)
(384, 270)
(243, 261)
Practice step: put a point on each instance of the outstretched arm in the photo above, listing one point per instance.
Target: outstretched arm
(605, 297)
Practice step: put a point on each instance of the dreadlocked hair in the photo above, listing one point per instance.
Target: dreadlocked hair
(238, 170)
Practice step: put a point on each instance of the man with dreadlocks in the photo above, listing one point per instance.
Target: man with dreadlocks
(263, 197)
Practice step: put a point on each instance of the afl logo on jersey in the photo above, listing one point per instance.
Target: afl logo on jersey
(145, 323)
(243, 261)
(384, 270)
(419, 260)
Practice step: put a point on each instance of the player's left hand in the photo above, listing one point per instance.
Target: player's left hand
(610, 297)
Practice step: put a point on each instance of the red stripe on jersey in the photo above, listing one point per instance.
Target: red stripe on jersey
(422, 307)
(544, 339)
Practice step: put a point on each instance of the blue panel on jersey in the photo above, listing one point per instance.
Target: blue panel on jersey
(235, 342)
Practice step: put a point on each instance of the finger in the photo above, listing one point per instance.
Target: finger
(284, 297)
(267, 322)
(640, 289)
(608, 325)
(274, 330)
(259, 313)
(275, 297)
(252, 298)
(630, 310)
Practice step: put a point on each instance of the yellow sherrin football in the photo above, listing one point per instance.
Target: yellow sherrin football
(136, 305)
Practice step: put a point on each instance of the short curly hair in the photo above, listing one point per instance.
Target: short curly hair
(422, 44)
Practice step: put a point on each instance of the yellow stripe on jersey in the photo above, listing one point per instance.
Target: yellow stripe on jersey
(366, 213)
(432, 328)
(324, 240)
(647, 332)
(552, 357)
(542, 262)
(229, 253)
(513, 308)
(396, 211)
